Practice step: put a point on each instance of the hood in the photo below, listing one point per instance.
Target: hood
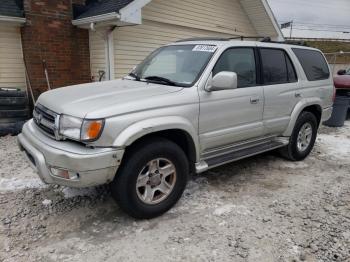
(82, 100)
(342, 81)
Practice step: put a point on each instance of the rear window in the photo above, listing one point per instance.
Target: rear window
(313, 63)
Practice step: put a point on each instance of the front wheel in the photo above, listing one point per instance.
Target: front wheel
(152, 178)
(302, 139)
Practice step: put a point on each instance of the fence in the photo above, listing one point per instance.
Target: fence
(338, 60)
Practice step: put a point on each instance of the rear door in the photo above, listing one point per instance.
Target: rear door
(281, 89)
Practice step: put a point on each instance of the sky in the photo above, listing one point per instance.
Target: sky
(314, 17)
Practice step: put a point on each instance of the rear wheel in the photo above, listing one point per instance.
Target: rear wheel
(151, 179)
(303, 137)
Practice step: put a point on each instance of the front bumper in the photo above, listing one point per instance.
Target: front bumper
(94, 166)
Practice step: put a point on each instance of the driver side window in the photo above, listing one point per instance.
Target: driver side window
(242, 62)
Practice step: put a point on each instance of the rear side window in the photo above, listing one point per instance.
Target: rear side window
(277, 67)
(313, 63)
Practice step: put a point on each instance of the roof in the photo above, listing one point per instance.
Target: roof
(12, 8)
(99, 7)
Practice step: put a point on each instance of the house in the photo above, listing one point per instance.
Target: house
(12, 72)
(80, 41)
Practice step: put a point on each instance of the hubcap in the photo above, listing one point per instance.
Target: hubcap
(304, 137)
(156, 181)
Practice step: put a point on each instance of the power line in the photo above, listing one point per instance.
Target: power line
(321, 30)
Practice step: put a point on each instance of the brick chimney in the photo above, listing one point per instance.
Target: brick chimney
(49, 35)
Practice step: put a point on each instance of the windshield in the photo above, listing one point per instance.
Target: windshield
(179, 65)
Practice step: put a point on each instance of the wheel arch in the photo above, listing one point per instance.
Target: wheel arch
(176, 129)
(311, 105)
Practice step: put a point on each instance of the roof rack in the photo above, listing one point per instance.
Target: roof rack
(265, 39)
(219, 38)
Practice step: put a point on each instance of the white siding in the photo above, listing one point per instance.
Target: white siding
(133, 43)
(97, 52)
(259, 17)
(166, 21)
(225, 16)
(12, 72)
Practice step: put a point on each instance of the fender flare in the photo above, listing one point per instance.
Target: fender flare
(152, 125)
(299, 107)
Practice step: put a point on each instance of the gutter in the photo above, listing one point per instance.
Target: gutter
(12, 19)
(96, 18)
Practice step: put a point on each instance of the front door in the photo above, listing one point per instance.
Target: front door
(229, 116)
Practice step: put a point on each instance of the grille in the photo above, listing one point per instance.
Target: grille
(45, 119)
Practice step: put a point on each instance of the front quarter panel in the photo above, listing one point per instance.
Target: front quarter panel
(178, 110)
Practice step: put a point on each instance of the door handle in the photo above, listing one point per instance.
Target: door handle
(254, 100)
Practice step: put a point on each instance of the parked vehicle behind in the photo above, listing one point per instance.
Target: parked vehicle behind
(188, 107)
(342, 80)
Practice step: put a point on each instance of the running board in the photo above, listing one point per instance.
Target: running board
(240, 154)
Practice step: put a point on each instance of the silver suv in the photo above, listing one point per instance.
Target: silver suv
(188, 107)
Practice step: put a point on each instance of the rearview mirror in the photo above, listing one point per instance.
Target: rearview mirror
(223, 81)
(341, 72)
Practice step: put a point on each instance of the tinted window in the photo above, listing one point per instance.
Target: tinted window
(242, 62)
(274, 66)
(313, 63)
(292, 77)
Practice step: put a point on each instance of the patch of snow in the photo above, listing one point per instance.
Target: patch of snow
(47, 202)
(294, 165)
(228, 208)
(12, 184)
(70, 192)
(335, 146)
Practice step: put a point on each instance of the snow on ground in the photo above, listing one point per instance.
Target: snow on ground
(336, 144)
(15, 172)
(259, 209)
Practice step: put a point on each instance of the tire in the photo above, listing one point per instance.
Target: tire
(13, 101)
(124, 189)
(14, 113)
(292, 151)
(12, 93)
(11, 128)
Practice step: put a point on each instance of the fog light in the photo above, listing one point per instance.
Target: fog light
(63, 173)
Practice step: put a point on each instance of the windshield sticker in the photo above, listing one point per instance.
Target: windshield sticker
(205, 48)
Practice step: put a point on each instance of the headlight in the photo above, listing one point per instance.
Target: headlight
(70, 126)
(80, 129)
(91, 129)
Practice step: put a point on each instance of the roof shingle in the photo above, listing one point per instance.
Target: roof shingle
(100, 7)
(12, 8)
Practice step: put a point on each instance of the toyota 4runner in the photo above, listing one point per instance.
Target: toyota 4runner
(188, 107)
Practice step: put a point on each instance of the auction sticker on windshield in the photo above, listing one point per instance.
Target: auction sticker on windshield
(205, 48)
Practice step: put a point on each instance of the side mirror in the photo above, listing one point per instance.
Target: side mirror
(222, 81)
(341, 72)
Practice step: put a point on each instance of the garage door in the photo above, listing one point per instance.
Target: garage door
(12, 72)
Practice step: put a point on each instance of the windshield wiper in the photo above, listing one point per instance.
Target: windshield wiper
(161, 79)
(134, 75)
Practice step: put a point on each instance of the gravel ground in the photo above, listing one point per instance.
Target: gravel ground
(260, 209)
